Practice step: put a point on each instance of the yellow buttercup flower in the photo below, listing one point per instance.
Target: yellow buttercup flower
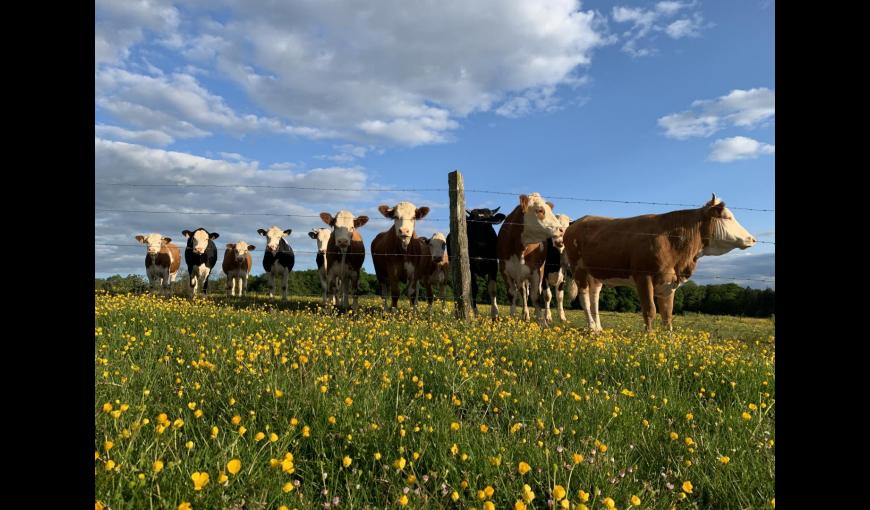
(519, 505)
(577, 458)
(635, 500)
(559, 493)
(346, 461)
(403, 500)
(523, 468)
(200, 480)
(157, 466)
(724, 459)
(454, 426)
(687, 487)
(528, 494)
(288, 487)
(185, 506)
(583, 495)
(234, 466)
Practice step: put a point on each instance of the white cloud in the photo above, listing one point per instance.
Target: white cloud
(742, 108)
(346, 153)
(119, 24)
(738, 147)
(148, 136)
(745, 268)
(645, 23)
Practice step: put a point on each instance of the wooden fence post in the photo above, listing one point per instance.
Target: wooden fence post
(460, 266)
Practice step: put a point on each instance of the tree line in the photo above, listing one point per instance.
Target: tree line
(724, 299)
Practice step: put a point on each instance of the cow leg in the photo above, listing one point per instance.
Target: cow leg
(324, 284)
(430, 296)
(346, 287)
(666, 309)
(230, 286)
(385, 289)
(412, 293)
(394, 294)
(524, 295)
(546, 298)
(535, 285)
(354, 288)
(595, 291)
(286, 284)
(271, 284)
(647, 303)
(582, 282)
(205, 281)
(560, 298)
(443, 296)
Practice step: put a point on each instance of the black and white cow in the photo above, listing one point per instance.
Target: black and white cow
(279, 258)
(201, 256)
(322, 235)
(555, 271)
(482, 257)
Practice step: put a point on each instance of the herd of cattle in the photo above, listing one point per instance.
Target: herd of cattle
(533, 250)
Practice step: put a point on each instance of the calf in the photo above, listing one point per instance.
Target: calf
(162, 261)
(279, 259)
(237, 267)
(201, 257)
(555, 269)
(322, 235)
(654, 253)
(397, 253)
(345, 254)
(521, 251)
(482, 257)
(437, 274)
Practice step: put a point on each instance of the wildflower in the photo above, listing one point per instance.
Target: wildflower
(200, 480)
(185, 506)
(242, 430)
(177, 424)
(214, 432)
(222, 477)
(674, 436)
(559, 493)
(489, 491)
(577, 458)
(236, 420)
(609, 503)
(523, 468)
(484, 428)
(687, 487)
(400, 463)
(234, 466)
(635, 501)
(724, 459)
(346, 461)
(288, 487)
(157, 466)
(189, 445)
(454, 496)
(377, 455)
(110, 465)
(583, 495)
(306, 431)
(528, 495)
(519, 505)
(489, 505)
(746, 416)
(454, 426)
(348, 401)
(403, 500)
(273, 437)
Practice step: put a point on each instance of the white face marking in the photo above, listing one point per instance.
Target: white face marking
(727, 235)
(404, 221)
(154, 243)
(322, 239)
(343, 229)
(240, 248)
(539, 222)
(558, 239)
(200, 241)
(437, 245)
(273, 237)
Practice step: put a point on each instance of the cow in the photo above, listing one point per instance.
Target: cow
(161, 262)
(237, 267)
(397, 253)
(482, 239)
(322, 235)
(279, 259)
(654, 253)
(200, 255)
(555, 269)
(521, 251)
(345, 254)
(437, 273)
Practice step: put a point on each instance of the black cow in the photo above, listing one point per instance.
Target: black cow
(481, 252)
(201, 256)
(279, 259)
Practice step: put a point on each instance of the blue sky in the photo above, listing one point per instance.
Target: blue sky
(655, 101)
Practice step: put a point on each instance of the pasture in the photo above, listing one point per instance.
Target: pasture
(255, 403)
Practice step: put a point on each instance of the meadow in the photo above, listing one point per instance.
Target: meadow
(260, 404)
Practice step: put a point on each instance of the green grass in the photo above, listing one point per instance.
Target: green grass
(569, 391)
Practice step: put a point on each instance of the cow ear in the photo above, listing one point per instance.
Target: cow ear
(421, 212)
(185, 233)
(551, 205)
(313, 234)
(497, 218)
(360, 221)
(386, 211)
(524, 202)
(425, 241)
(167, 240)
(327, 218)
(141, 239)
(230, 246)
(718, 210)
(213, 235)
(288, 231)
(261, 231)
(496, 210)
(251, 247)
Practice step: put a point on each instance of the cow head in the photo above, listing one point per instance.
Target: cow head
(321, 235)
(539, 222)
(273, 237)
(404, 216)
(485, 216)
(154, 242)
(558, 239)
(198, 239)
(437, 245)
(726, 233)
(240, 249)
(344, 224)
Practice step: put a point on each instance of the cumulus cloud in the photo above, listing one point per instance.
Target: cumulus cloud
(738, 147)
(646, 23)
(148, 136)
(118, 25)
(316, 190)
(740, 108)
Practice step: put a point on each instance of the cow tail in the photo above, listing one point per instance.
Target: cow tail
(572, 290)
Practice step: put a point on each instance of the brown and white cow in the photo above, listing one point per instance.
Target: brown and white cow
(654, 253)
(321, 236)
(237, 267)
(398, 254)
(521, 250)
(162, 261)
(555, 269)
(437, 274)
(345, 254)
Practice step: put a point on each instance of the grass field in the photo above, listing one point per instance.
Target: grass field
(256, 403)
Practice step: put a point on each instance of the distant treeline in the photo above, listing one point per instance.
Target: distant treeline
(727, 299)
